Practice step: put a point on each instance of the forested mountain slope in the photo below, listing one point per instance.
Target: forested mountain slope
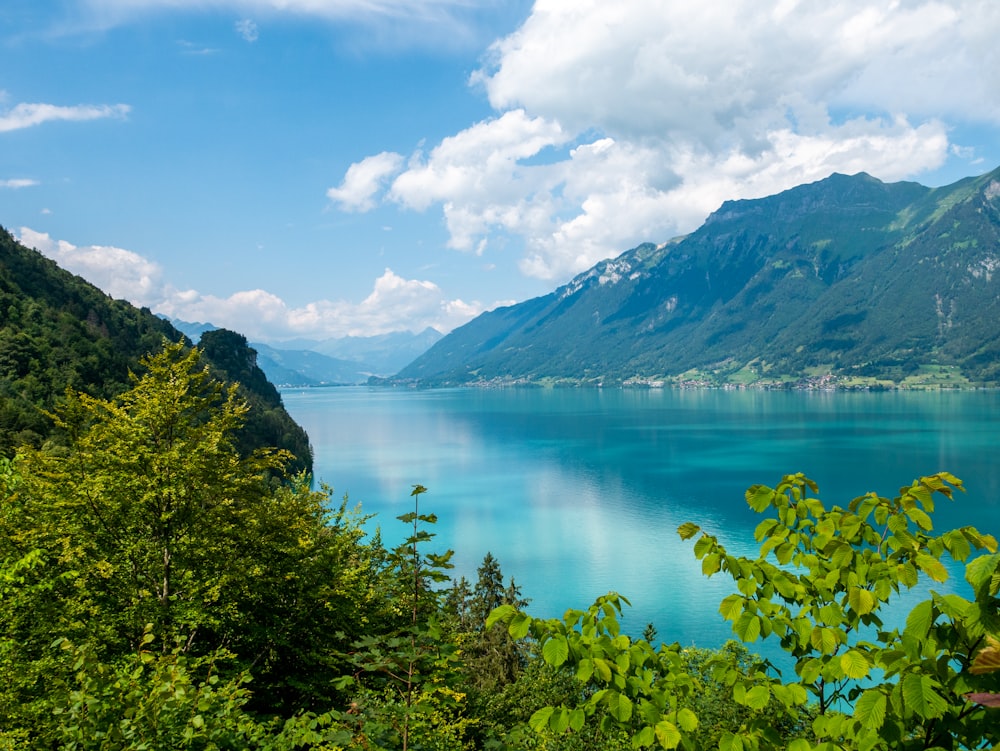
(59, 331)
(847, 276)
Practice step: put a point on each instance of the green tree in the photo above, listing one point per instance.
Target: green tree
(405, 679)
(820, 585)
(492, 658)
(150, 520)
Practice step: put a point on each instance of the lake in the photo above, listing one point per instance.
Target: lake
(580, 491)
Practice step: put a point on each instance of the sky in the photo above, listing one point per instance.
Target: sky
(314, 169)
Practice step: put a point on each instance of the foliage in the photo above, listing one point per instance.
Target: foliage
(405, 679)
(492, 658)
(820, 585)
(150, 518)
(153, 699)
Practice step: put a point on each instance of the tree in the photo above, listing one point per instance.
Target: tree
(405, 677)
(492, 658)
(821, 584)
(150, 520)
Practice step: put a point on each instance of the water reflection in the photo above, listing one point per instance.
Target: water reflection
(578, 492)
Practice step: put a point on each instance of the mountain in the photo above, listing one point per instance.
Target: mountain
(382, 354)
(847, 280)
(57, 331)
(304, 367)
(325, 362)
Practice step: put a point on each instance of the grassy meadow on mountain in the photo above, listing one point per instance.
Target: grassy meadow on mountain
(845, 281)
(170, 578)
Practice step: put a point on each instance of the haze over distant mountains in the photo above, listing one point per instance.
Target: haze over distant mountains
(847, 280)
(339, 361)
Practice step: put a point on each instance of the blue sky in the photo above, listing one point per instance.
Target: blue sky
(321, 168)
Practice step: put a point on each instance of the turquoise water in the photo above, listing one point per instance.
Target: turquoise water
(578, 492)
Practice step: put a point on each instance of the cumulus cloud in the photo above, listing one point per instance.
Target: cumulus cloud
(258, 314)
(120, 273)
(622, 122)
(363, 180)
(26, 115)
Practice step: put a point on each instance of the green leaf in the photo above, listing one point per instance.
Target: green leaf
(576, 719)
(619, 706)
(922, 698)
(854, 664)
(688, 530)
(667, 734)
(920, 517)
(559, 722)
(979, 572)
(824, 639)
(870, 709)
(932, 567)
(539, 721)
(501, 613)
(764, 529)
(703, 545)
(957, 544)
(758, 697)
(918, 622)
(688, 720)
(861, 600)
(710, 564)
(645, 737)
(759, 497)
(603, 669)
(520, 624)
(555, 650)
(747, 627)
(731, 607)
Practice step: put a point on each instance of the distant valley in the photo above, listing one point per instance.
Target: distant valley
(331, 362)
(845, 282)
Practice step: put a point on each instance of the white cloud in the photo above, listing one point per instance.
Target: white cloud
(247, 29)
(16, 183)
(394, 302)
(26, 115)
(120, 273)
(363, 180)
(631, 121)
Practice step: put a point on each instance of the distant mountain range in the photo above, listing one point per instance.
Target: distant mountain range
(846, 281)
(327, 362)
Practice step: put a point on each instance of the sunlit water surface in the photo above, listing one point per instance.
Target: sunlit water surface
(580, 491)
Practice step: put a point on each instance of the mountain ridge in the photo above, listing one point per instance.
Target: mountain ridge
(848, 279)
